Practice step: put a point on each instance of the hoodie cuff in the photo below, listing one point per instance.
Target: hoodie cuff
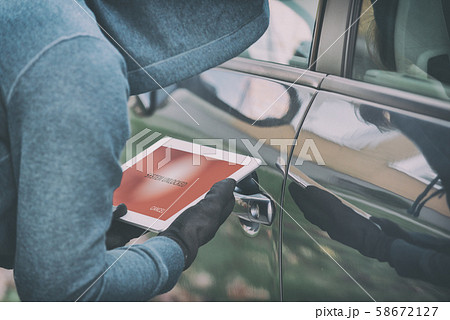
(172, 257)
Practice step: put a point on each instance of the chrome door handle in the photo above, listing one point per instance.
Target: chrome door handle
(257, 208)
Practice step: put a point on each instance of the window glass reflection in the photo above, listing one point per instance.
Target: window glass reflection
(289, 36)
(405, 45)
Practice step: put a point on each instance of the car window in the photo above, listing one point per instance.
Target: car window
(289, 36)
(405, 45)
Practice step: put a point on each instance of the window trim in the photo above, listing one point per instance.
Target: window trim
(333, 38)
(350, 46)
(399, 99)
(316, 35)
(275, 71)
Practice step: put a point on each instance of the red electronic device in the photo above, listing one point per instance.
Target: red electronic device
(172, 175)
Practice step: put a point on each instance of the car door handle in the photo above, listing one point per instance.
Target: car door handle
(257, 208)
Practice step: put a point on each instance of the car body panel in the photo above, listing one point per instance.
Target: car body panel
(236, 265)
(378, 171)
(374, 170)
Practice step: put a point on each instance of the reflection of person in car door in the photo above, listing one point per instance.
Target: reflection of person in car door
(413, 255)
(392, 55)
(63, 123)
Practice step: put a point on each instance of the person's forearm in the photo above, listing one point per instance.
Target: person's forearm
(66, 134)
(155, 265)
(416, 262)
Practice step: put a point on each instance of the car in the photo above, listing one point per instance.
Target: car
(350, 96)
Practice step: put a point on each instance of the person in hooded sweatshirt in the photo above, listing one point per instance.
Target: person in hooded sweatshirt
(67, 69)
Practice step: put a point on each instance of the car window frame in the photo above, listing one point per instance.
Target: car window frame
(397, 98)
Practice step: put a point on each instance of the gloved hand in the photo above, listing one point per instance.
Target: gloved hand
(120, 233)
(393, 230)
(341, 222)
(198, 224)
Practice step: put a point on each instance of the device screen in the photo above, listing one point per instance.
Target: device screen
(167, 180)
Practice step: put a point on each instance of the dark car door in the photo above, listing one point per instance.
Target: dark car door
(248, 105)
(376, 139)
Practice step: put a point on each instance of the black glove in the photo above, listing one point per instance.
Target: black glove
(198, 224)
(120, 233)
(341, 222)
(393, 230)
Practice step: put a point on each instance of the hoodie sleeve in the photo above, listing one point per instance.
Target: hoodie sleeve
(420, 263)
(67, 117)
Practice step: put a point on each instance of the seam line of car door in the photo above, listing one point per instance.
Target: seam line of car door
(290, 75)
(283, 189)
